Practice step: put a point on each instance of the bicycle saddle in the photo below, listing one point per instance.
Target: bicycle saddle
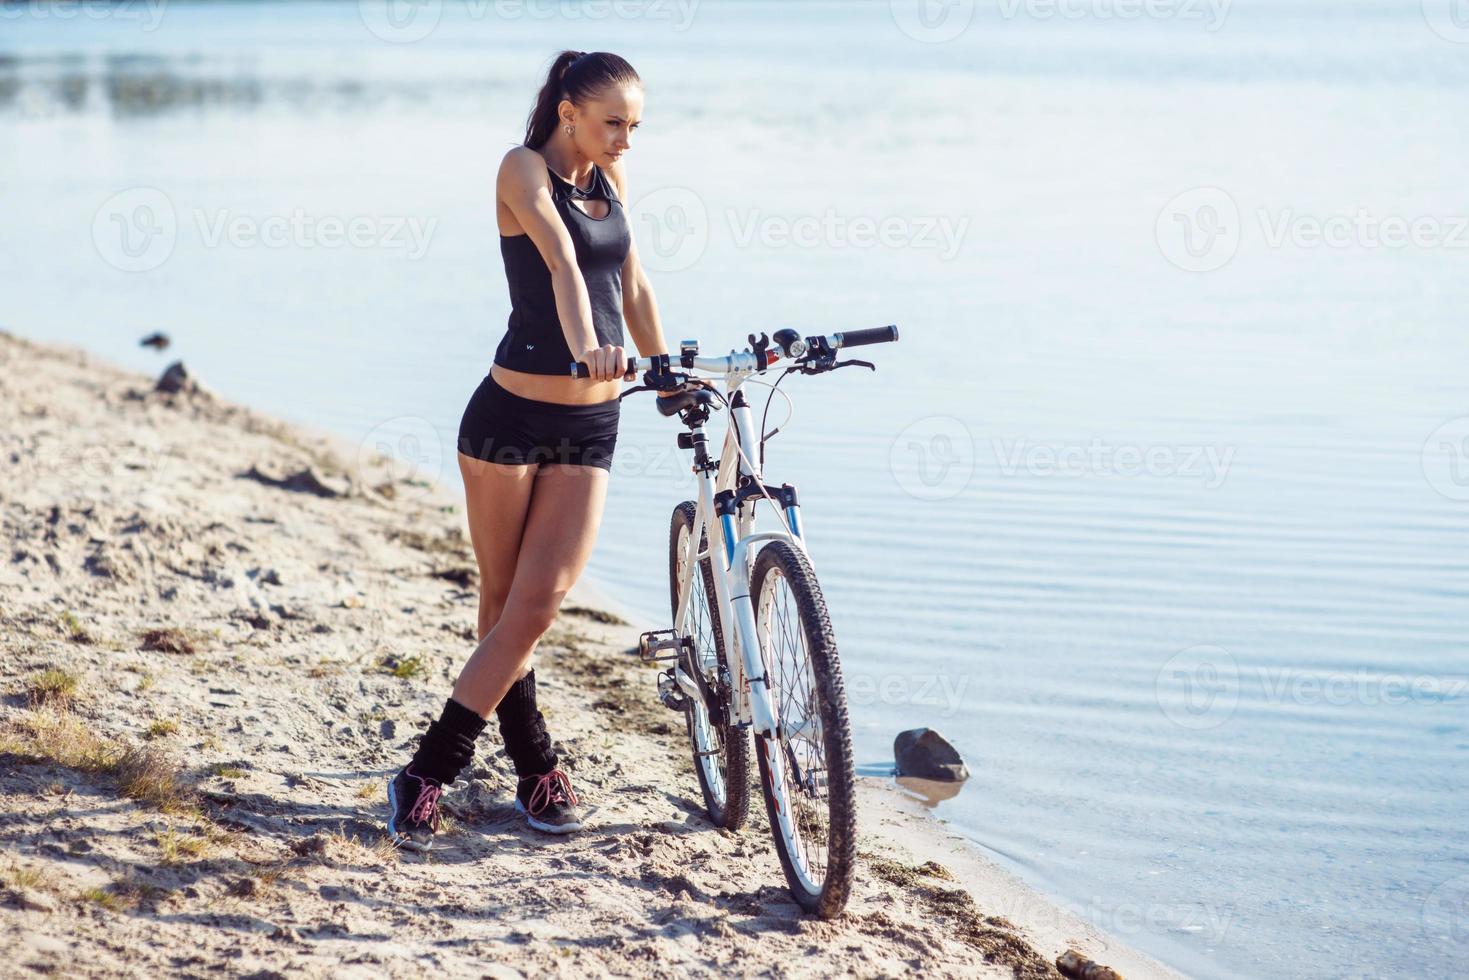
(674, 404)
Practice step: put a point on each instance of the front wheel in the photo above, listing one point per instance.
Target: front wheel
(806, 767)
(721, 752)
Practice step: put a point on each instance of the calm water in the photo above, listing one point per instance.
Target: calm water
(1159, 508)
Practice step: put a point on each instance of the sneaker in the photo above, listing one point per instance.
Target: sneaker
(413, 810)
(549, 803)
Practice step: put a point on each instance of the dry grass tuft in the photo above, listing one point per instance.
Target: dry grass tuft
(161, 728)
(149, 776)
(177, 848)
(145, 774)
(54, 687)
(56, 736)
(72, 627)
(19, 876)
(101, 896)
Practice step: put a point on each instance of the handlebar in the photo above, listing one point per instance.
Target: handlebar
(874, 335)
(811, 353)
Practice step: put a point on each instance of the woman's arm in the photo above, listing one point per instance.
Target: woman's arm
(639, 305)
(524, 187)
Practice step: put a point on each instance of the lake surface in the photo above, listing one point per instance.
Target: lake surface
(1159, 508)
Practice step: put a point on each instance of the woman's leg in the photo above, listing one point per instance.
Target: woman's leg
(496, 500)
(560, 530)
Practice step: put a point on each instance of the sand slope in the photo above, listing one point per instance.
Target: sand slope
(236, 666)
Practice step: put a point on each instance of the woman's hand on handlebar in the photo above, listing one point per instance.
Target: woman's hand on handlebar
(605, 363)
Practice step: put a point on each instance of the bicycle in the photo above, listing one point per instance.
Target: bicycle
(756, 594)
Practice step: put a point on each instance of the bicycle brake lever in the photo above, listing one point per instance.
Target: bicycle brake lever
(853, 362)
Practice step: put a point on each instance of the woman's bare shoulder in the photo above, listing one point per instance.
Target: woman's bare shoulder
(523, 168)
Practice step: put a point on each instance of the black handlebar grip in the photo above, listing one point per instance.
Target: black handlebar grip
(873, 335)
(580, 370)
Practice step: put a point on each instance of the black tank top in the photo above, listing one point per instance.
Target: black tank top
(533, 341)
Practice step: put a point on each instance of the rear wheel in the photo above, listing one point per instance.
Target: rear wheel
(721, 753)
(806, 768)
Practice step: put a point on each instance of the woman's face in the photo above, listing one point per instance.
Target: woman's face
(604, 125)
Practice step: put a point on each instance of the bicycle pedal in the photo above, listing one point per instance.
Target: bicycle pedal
(651, 643)
(669, 693)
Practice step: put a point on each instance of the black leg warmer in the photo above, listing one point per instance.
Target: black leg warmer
(524, 729)
(448, 745)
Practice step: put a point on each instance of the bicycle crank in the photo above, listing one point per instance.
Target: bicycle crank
(668, 692)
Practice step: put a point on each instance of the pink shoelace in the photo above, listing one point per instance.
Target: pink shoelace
(426, 807)
(554, 786)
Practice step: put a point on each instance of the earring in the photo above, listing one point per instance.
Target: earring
(570, 130)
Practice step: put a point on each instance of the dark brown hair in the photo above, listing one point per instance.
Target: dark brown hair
(578, 76)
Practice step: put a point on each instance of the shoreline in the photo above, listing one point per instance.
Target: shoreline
(214, 666)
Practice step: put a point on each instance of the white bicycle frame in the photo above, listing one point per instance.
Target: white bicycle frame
(732, 542)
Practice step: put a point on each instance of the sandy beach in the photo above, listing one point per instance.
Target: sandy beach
(220, 638)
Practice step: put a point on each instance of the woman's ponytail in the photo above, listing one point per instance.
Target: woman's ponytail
(578, 76)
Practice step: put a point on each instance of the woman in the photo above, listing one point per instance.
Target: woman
(535, 444)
